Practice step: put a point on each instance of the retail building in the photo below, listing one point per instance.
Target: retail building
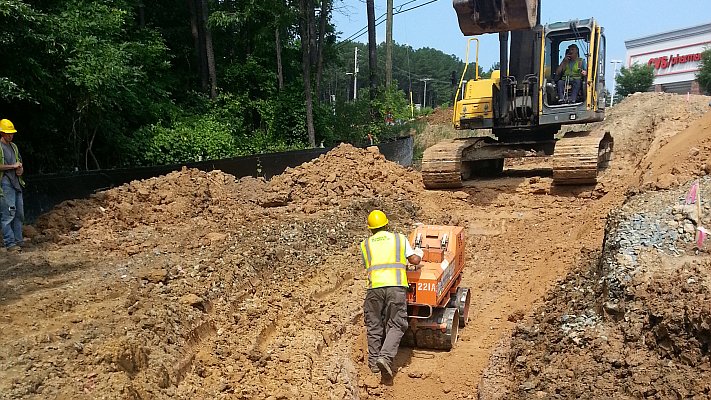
(674, 55)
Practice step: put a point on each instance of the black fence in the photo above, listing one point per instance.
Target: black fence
(45, 191)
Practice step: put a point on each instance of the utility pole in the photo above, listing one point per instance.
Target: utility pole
(372, 55)
(389, 45)
(424, 96)
(614, 75)
(355, 74)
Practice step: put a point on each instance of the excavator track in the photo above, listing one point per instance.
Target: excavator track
(579, 156)
(442, 163)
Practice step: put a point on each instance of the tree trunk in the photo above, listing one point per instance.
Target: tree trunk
(306, 69)
(280, 72)
(209, 52)
(200, 55)
(312, 33)
(90, 152)
(323, 19)
(141, 15)
(372, 55)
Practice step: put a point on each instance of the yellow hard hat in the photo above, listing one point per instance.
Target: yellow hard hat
(377, 219)
(7, 126)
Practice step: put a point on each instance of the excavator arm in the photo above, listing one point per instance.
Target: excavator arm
(489, 16)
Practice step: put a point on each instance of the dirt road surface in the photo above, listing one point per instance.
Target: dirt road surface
(195, 285)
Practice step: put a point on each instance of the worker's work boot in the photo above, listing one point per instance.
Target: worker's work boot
(384, 367)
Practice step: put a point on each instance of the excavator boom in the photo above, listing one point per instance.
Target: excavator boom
(489, 16)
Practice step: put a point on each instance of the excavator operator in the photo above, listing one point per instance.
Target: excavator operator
(385, 255)
(571, 70)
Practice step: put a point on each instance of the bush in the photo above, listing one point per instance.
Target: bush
(186, 141)
(704, 74)
(637, 78)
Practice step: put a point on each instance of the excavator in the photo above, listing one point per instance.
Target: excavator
(520, 102)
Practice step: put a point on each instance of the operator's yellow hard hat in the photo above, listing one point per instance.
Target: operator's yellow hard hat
(377, 219)
(7, 126)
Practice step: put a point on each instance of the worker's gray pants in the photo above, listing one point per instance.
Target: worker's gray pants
(385, 312)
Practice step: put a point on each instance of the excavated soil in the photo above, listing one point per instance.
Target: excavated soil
(198, 285)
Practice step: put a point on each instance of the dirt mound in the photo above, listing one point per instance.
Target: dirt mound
(682, 156)
(340, 176)
(166, 200)
(336, 178)
(198, 285)
(440, 116)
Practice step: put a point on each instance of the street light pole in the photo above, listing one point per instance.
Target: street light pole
(614, 75)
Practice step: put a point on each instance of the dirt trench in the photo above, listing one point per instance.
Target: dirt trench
(197, 285)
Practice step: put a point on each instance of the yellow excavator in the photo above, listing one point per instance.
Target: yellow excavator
(521, 102)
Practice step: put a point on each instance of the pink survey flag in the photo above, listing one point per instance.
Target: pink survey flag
(701, 236)
(691, 196)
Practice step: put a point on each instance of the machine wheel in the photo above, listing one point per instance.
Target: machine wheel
(441, 331)
(461, 300)
(452, 320)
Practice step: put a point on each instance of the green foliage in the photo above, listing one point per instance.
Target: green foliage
(353, 123)
(195, 139)
(637, 78)
(210, 130)
(488, 72)
(704, 74)
(91, 87)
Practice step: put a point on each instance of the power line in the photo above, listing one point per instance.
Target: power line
(364, 30)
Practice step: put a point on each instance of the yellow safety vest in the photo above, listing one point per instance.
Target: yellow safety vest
(573, 69)
(384, 258)
(17, 158)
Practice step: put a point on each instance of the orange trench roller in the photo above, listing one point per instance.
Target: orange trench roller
(436, 305)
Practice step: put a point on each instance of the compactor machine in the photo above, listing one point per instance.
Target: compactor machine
(437, 305)
(520, 101)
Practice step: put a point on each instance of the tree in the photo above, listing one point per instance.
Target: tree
(202, 37)
(306, 8)
(637, 78)
(704, 74)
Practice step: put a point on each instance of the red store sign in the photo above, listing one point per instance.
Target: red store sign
(665, 62)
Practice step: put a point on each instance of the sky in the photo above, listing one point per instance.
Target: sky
(435, 25)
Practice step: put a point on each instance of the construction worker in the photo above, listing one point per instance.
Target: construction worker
(571, 69)
(385, 255)
(11, 182)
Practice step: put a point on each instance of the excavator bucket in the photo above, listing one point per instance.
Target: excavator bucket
(489, 16)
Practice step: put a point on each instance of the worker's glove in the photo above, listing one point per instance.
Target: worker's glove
(419, 252)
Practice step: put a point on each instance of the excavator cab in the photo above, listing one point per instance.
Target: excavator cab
(589, 105)
(524, 94)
